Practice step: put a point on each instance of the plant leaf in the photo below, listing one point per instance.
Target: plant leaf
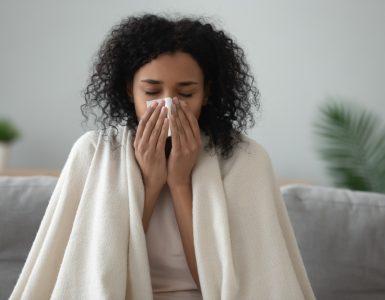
(352, 143)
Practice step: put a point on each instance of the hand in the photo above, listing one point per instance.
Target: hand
(149, 146)
(186, 145)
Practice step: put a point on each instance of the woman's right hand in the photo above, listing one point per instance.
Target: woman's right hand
(149, 145)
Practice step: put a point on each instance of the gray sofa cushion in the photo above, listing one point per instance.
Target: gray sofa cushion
(23, 201)
(341, 235)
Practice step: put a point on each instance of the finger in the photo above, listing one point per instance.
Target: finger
(174, 130)
(182, 134)
(143, 122)
(151, 123)
(185, 123)
(163, 135)
(192, 120)
(158, 127)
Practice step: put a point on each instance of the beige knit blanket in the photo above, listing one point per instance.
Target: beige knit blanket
(91, 243)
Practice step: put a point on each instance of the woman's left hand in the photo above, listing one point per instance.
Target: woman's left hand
(186, 145)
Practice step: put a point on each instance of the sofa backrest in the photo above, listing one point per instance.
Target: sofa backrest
(23, 201)
(341, 236)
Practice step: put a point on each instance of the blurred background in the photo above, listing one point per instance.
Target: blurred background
(300, 52)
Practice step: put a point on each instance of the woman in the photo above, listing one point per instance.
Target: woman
(140, 215)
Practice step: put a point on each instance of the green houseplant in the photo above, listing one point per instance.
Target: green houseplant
(8, 134)
(351, 140)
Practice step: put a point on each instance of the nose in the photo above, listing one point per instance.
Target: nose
(168, 92)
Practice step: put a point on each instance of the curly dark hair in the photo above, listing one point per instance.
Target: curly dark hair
(139, 39)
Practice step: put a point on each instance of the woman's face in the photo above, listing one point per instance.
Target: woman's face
(169, 75)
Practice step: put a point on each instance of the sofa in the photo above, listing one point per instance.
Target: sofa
(340, 233)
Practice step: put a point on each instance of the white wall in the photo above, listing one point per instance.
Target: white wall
(300, 52)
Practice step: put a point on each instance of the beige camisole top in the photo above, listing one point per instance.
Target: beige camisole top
(170, 275)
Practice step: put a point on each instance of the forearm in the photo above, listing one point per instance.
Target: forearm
(182, 201)
(150, 198)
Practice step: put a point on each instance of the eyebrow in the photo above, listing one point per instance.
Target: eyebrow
(182, 83)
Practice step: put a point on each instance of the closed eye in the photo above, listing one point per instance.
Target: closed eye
(183, 95)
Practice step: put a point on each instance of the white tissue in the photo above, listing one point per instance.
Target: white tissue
(168, 103)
